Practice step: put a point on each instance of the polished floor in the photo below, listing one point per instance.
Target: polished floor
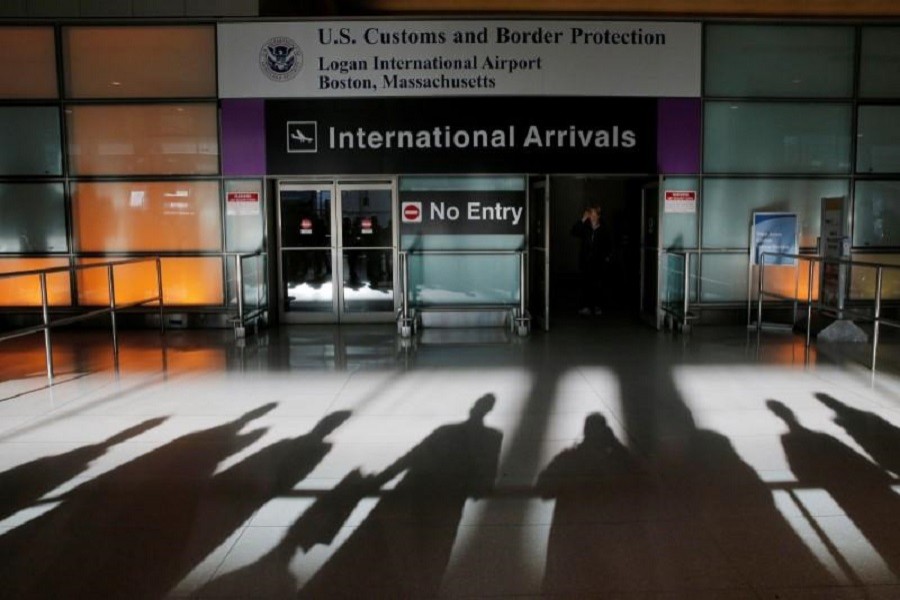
(600, 460)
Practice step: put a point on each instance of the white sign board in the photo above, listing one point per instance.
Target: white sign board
(680, 201)
(367, 59)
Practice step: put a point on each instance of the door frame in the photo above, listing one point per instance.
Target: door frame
(539, 250)
(652, 190)
(337, 314)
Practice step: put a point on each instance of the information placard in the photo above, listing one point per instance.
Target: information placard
(774, 233)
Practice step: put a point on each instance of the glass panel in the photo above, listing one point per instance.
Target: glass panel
(878, 139)
(166, 139)
(244, 216)
(254, 278)
(460, 279)
(462, 183)
(27, 62)
(728, 206)
(366, 218)
(879, 72)
(724, 278)
(32, 217)
(368, 280)
(305, 218)
(30, 141)
(789, 61)
(134, 282)
(680, 229)
(672, 291)
(147, 216)
(863, 279)
(187, 281)
(26, 291)
(462, 242)
(140, 62)
(307, 281)
(745, 137)
(876, 213)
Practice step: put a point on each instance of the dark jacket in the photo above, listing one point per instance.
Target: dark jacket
(595, 248)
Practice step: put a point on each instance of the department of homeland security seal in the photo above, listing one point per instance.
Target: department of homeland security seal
(280, 59)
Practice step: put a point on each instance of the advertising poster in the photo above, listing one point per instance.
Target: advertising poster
(774, 233)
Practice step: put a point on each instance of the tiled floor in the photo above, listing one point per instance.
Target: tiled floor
(600, 460)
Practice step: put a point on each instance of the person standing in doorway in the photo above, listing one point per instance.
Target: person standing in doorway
(593, 255)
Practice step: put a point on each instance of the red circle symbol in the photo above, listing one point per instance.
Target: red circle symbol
(410, 212)
(306, 224)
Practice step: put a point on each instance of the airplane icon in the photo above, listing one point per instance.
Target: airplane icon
(299, 137)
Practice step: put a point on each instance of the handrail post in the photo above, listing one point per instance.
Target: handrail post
(45, 313)
(110, 278)
(240, 288)
(404, 275)
(879, 275)
(809, 302)
(687, 292)
(759, 291)
(522, 284)
(159, 291)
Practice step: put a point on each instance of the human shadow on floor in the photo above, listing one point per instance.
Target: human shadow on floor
(270, 575)
(718, 523)
(595, 481)
(879, 438)
(114, 536)
(861, 488)
(403, 547)
(26, 484)
(236, 493)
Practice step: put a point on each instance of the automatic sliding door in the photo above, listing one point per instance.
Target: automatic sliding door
(367, 251)
(306, 240)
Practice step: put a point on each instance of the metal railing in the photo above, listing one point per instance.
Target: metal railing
(261, 306)
(677, 300)
(47, 324)
(874, 315)
(406, 320)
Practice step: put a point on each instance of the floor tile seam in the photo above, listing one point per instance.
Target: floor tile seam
(57, 414)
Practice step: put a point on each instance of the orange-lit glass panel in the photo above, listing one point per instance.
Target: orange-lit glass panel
(27, 62)
(863, 279)
(147, 216)
(783, 280)
(159, 139)
(26, 290)
(192, 281)
(134, 282)
(140, 62)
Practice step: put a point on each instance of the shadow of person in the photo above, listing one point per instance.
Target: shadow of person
(879, 438)
(861, 489)
(595, 484)
(25, 484)
(402, 548)
(270, 576)
(115, 536)
(236, 493)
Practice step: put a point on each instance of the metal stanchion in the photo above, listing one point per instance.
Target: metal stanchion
(879, 273)
(45, 312)
(110, 278)
(809, 303)
(759, 292)
(687, 292)
(239, 283)
(159, 291)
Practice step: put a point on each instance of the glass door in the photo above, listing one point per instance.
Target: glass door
(367, 248)
(306, 257)
(539, 250)
(336, 252)
(651, 244)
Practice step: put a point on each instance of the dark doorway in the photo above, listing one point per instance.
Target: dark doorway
(620, 200)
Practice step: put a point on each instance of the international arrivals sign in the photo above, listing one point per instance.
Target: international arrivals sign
(373, 59)
(461, 135)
